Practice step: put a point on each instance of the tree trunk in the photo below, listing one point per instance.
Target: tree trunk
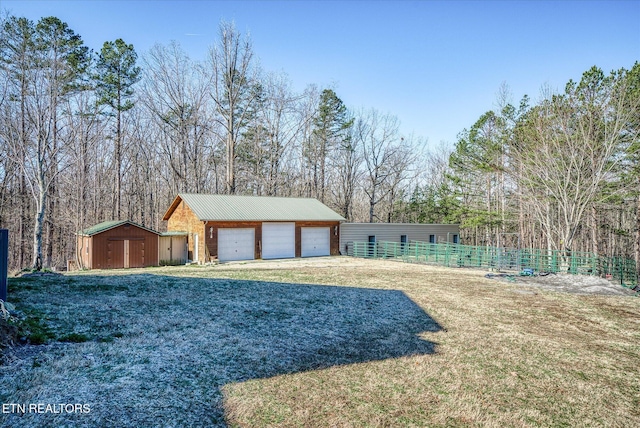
(37, 230)
(23, 222)
(594, 231)
(638, 234)
(372, 205)
(23, 183)
(51, 229)
(323, 156)
(231, 154)
(118, 163)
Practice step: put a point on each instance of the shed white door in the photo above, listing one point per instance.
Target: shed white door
(236, 244)
(278, 240)
(315, 241)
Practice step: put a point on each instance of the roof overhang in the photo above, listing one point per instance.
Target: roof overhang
(172, 208)
(173, 233)
(237, 210)
(113, 226)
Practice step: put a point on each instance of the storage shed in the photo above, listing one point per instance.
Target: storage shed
(117, 244)
(225, 227)
(396, 232)
(172, 248)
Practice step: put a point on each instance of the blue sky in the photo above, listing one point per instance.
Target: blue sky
(436, 65)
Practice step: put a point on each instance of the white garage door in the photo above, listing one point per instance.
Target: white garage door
(236, 244)
(315, 241)
(278, 240)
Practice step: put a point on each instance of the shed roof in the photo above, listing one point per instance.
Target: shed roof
(254, 208)
(174, 233)
(106, 225)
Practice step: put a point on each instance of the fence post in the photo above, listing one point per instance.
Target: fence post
(4, 263)
(447, 255)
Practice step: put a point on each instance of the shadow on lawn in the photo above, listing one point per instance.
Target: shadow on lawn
(179, 340)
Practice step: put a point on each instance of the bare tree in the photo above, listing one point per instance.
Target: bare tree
(34, 153)
(84, 131)
(378, 135)
(346, 162)
(569, 151)
(403, 168)
(174, 90)
(284, 128)
(43, 63)
(65, 60)
(232, 90)
(16, 56)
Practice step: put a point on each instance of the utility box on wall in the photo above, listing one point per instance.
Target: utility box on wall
(4, 263)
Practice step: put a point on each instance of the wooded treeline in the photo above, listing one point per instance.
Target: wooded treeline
(89, 137)
(93, 136)
(562, 173)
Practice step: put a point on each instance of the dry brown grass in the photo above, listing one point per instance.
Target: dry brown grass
(310, 356)
(506, 359)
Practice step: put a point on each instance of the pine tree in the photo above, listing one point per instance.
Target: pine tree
(116, 75)
(65, 60)
(330, 126)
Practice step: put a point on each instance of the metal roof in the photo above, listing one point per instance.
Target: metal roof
(174, 233)
(254, 208)
(106, 225)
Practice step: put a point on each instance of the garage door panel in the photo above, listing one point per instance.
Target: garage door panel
(236, 244)
(316, 241)
(278, 240)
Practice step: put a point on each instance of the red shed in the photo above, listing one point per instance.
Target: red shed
(117, 244)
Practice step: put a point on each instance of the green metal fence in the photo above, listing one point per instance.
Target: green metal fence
(456, 255)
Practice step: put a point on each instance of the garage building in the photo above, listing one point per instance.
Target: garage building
(402, 233)
(226, 227)
(117, 244)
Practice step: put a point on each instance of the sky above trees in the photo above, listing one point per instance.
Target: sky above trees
(436, 65)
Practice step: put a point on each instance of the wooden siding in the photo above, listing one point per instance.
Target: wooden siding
(172, 249)
(107, 249)
(138, 254)
(83, 249)
(114, 256)
(183, 219)
(391, 232)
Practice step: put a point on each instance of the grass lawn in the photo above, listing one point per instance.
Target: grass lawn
(344, 342)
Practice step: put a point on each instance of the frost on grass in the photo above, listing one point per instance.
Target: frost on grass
(162, 347)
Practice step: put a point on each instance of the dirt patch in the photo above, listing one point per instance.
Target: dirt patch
(578, 284)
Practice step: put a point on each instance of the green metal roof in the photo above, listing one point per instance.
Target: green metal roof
(173, 233)
(257, 208)
(106, 225)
